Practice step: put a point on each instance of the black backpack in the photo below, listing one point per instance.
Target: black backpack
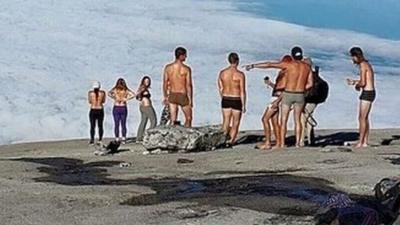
(320, 90)
(387, 194)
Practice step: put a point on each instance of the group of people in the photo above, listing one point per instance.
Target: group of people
(121, 94)
(292, 90)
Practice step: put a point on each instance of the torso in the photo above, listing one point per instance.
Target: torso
(96, 102)
(370, 80)
(231, 82)
(296, 76)
(145, 98)
(177, 75)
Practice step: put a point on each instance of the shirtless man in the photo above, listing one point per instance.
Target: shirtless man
(298, 79)
(178, 88)
(96, 98)
(232, 89)
(366, 83)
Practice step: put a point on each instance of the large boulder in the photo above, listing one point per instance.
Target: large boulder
(182, 139)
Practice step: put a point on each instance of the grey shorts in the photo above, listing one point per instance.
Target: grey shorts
(291, 98)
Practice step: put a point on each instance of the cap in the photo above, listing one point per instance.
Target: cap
(96, 85)
(297, 53)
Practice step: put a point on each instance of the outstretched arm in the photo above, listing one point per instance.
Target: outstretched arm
(189, 87)
(266, 65)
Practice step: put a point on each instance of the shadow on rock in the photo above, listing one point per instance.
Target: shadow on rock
(74, 172)
(336, 139)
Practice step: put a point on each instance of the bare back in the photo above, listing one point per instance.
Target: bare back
(96, 101)
(297, 76)
(229, 81)
(177, 77)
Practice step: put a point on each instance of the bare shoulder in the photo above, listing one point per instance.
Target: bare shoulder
(187, 68)
(240, 74)
(168, 66)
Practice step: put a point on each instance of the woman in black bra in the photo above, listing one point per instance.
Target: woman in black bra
(146, 108)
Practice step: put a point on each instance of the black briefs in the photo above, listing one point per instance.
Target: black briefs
(368, 95)
(234, 103)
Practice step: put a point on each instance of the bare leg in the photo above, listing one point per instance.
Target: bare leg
(365, 108)
(298, 110)
(267, 128)
(187, 111)
(284, 120)
(226, 120)
(236, 116)
(173, 113)
(276, 127)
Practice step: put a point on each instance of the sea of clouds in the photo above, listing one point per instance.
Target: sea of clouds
(51, 51)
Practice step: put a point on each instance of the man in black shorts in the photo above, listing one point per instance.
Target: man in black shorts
(366, 84)
(232, 89)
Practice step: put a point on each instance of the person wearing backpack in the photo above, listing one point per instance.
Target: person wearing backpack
(315, 96)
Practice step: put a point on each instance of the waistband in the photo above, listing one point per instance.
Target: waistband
(294, 92)
(233, 98)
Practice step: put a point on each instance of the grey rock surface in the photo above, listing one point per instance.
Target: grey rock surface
(182, 139)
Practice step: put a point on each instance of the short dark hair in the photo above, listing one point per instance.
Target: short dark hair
(233, 58)
(297, 53)
(357, 52)
(180, 51)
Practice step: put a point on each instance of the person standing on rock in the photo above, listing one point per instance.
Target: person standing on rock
(366, 84)
(271, 114)
(146, 107)
(178, 87)
(96, 98)
(299, 78)
(232, 89)
(121, 95)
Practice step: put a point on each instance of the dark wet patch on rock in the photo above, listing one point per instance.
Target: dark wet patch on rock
(331, 161)
(281, 194)
(394, 161)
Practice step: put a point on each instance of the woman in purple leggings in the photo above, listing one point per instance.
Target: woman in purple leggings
(121, 95)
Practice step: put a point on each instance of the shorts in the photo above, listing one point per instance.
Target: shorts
(368, 96)
(291, 98)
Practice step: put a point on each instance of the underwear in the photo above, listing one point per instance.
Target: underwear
(368, 95)
(290, 98)
(234, 103)
(178, 99)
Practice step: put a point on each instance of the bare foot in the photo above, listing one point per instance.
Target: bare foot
(263, 146)
(359, 145)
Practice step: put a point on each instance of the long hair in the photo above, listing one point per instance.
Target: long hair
(96, 93)
(121, 85)
(143, 80)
